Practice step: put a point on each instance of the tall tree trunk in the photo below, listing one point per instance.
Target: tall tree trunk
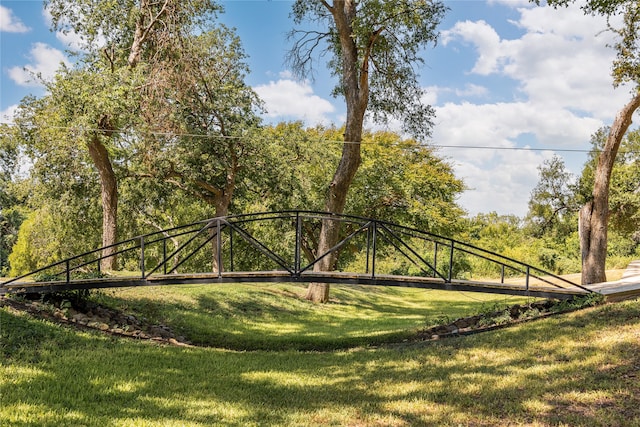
(330, 230)
(109, 196)
(356, 90)
(100, 157)
(222, 209)
(594, 216)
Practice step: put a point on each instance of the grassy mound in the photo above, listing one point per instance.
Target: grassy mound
(277, 317)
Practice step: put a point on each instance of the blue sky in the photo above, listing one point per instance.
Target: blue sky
(505, 74)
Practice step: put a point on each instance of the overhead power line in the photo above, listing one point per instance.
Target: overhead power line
(330, 141)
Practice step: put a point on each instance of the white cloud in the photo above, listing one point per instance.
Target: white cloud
(499, 173)
(7, 115)
(569, 22)
(430, 95)
(72, 40)
(562, 61)
(561, 67)
(501, 123)
(511, 3)
(9, 23)
(471, 91)
(492, 160)
(288, 99)
(286, 75)
(484, 37)
(45, 62)
(506, 189)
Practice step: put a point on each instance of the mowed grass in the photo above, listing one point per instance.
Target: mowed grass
(578, 369)
(277, 317)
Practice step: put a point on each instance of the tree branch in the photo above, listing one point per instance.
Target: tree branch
(300, 57)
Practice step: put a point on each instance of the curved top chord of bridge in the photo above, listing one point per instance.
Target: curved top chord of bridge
(279, 247)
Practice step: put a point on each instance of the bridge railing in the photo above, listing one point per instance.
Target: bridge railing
(88, 264)
(286, 241)
(453, 254)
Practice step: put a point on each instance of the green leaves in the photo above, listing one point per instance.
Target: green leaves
(553, 200)
(210, 115)
(421, 191)
(107, 28)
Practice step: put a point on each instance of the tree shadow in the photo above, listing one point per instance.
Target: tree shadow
(276, 318)
(569, 370)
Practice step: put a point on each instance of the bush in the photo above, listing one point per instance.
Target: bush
(34, 248)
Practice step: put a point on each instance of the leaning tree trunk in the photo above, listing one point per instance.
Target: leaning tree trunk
(355, 81)
(594, 216)
(330, 230)
(109, 195)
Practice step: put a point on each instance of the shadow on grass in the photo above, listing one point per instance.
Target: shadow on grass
(277, 318)
(577, 369)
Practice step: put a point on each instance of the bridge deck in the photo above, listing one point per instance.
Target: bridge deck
(542, 291)
(628, 287)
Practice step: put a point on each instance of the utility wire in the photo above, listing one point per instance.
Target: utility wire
(329, 141)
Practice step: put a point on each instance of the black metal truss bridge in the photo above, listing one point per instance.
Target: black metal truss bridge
(280, 247)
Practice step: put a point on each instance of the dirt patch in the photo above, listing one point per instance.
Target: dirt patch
(88, 315)
(494, 320)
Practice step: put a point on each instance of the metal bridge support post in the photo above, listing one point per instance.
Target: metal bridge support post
(219, 246)
(435, 259)
(298, 245)
(366, 267)
(451, 263)
(142, 267)
(527, 282)
(164, 255)
(68, 272)
(231, 247)
(373, 258)
(502, 274)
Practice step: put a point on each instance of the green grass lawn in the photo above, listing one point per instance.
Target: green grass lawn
(277, 317)
(581, 368)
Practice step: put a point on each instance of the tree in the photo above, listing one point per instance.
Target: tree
(8, 162)
(624, 192)
(552, 220)
(624, 200)
(210, 118)
(556, 200)
(75, 114)
(553, 198)
(421, 192)
(213, 119)
(62, 189)
(293, 168)
(10, 217)
(594, 215)
(117, 39)
(374, 46)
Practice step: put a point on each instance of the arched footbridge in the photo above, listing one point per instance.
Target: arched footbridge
(280, 247)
